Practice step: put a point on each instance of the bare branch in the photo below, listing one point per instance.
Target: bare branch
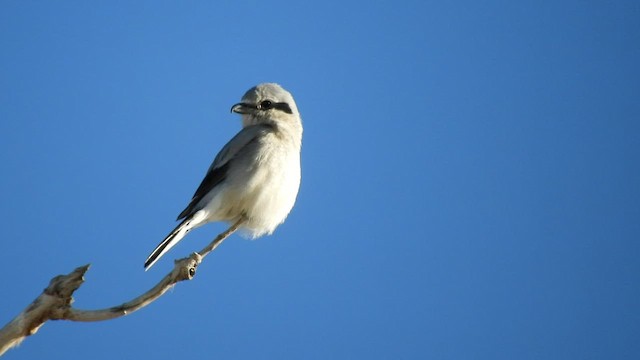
(184, 269)
(55, 301)
(56, 295)
(220, 238)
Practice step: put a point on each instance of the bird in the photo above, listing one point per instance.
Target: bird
(254, 180)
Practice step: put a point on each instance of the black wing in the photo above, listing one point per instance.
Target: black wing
(213, 178)
(218, 170)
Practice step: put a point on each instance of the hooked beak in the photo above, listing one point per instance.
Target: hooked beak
(242, 108)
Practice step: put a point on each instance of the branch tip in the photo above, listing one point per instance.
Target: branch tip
(55, 302)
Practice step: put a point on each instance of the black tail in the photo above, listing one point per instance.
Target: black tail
(173, 238)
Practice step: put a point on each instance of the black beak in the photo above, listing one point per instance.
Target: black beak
(242, 108)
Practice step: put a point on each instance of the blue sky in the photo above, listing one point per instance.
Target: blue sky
(470, 177)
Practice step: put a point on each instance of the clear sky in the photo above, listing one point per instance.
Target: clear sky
(471, 175)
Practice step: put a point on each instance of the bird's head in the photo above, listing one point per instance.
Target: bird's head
(267, 103)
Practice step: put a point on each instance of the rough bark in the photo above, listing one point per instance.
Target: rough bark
(55, 302)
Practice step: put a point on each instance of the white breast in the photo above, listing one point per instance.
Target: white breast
(265, 192)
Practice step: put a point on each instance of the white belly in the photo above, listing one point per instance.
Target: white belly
(265, 193)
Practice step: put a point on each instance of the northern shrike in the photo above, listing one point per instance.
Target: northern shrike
(255, 178)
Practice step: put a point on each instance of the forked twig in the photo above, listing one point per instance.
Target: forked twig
(55, 301)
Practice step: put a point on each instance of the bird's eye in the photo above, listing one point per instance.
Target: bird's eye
(266, 105)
